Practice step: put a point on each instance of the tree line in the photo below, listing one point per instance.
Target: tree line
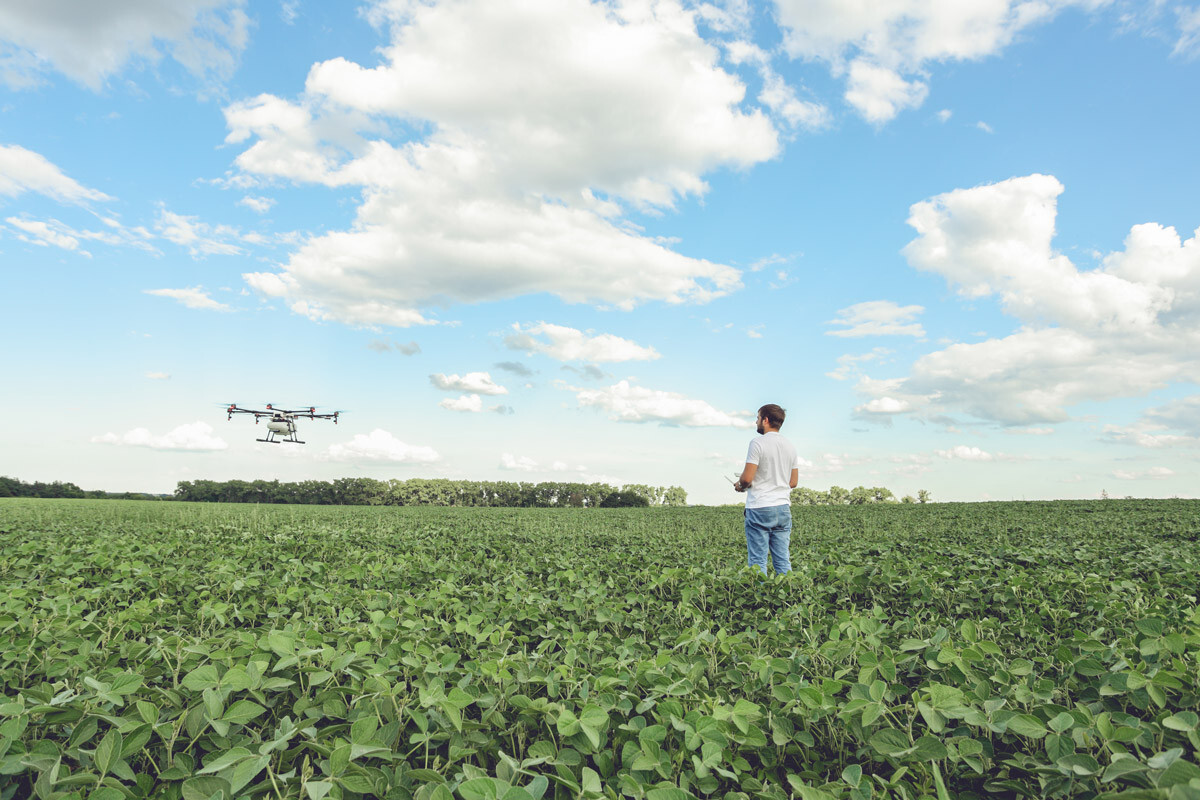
(431, 492)
(859, 495)
(13, 487)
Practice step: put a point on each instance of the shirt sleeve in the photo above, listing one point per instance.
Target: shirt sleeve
(752, 454)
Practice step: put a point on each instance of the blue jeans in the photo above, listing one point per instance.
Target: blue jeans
(769, 529)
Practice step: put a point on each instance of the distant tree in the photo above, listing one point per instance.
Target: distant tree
(675, 496)
(861, 495)
(882, 495)
(625, 500)
(908, 498)
(837, 496)
(923, 496)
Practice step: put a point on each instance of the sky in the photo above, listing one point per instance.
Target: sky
(561, 240)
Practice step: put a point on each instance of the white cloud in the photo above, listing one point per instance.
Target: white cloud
(387, 346)
(877, 44)
(944, 115)
(1124, 329)
(192, 437)
(88, 42)
(878, 318)
(628, 403)
(848, 364)
(1176, 424)
(42, 234)
(194, 297)
(983, 126)
(533, 141)
(964, 452)
(467, 403)
(23, 171)
(1029, 431)
(199, 238)
(521, 464)
(1188, 44)
(58, 234)
(568, 344)
(380, 445)
(880, 93)
(260, 204)
(476, 382)
(1154, 473)
(158, 376)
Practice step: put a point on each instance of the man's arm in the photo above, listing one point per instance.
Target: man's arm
(795, 478)
(747, 477)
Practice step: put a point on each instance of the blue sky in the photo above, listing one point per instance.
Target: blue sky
(562, 240)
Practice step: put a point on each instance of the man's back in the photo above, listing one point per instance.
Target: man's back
(776, 458)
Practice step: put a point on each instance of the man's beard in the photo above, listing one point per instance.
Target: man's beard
(759, 428)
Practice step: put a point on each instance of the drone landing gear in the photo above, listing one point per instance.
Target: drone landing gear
(280, 441)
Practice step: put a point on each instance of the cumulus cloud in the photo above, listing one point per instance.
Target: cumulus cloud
(878, 318)
(532, 142)
(884, 48)
(467, 403)
(259, 204)
(381, 446)
(518, 463)
(568, 344)
(88, 42)
(194, 437)
(626, 402)
(476, 382)
(193, 297)
(24, 170)
(1128, 327)
(963, 452)
(158, 376)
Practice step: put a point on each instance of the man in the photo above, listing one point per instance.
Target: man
(771, 472)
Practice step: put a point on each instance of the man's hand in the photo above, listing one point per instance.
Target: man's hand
(746, 478)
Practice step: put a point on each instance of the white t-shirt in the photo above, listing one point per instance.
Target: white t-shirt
(776, 458)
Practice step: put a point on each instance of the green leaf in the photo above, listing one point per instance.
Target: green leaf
(363, 729)
(242, 712)
(108, 751)
(205, 787)
(1182, 721)
(890, 742)
(316, 790)
(852, 775)
(201, 678)
(126, 683)
(1080, 764)
(1180, 772)
(482, 789)
(1121, 767)
(1062, 722)
(225, 760)
(1027, 725)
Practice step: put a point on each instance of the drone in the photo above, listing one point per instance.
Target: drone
(282, 421)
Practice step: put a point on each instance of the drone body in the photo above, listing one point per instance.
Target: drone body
(281, 422)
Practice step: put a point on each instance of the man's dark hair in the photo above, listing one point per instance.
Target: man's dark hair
(773, 414)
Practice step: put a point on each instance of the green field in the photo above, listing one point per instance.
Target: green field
(958, 650)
